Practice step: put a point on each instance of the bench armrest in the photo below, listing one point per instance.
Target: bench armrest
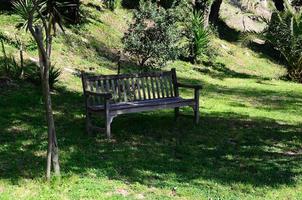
(104, 95)
(196, 87)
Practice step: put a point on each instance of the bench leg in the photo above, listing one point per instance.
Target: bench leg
(196, 115)
(108, 120)
(196, 106)
(176, 112)
(88, 123)
(108, 128)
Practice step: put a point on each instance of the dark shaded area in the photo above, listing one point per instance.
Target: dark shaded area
(6, 4)
(220, 71)
(130, 4)
(226, 147)
(227, 33)
(268, 51)
(279, 4)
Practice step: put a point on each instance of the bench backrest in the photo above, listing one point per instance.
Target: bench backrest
(132, 87)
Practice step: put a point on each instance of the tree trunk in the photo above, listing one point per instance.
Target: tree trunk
(52, 150)
(214, 12)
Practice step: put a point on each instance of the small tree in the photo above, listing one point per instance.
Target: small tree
(40, 17)
(152, 37)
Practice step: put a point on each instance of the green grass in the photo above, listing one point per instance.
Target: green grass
(247, 145)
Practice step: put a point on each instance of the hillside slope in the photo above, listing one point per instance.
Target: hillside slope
(247, 146)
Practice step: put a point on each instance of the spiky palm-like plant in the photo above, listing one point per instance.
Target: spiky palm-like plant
(40, 17)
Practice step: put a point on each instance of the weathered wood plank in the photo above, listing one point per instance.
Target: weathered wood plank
(124, 90)
(157, 87)
(138, 89)
(113, 90)
(171, 86)
(133, 88)
(143, 87)
(162, 86)
(148, 87)
(152, 87)
(166, 86)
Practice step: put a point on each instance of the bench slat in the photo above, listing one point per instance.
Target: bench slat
(143, 87)
(148, 87)
(157, 87)
(133, 88)
(162, 86)
(138, 89)
(152, 87)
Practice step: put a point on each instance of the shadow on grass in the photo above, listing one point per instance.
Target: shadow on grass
(149, 148)
(220, 71)
(267, 51)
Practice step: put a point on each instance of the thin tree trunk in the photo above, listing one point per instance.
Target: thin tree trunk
(52, 150)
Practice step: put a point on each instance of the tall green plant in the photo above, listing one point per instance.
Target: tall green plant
(285, 34)
(199, 37)
(40, 18)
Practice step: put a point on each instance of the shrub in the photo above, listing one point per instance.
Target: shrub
(285, 34)
(152, 38)
(32, 74)
(8, 65)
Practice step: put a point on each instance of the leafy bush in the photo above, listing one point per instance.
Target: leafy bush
(32, 73)
(152, 38)
(10, 68)
(285, 34)
(8, 65)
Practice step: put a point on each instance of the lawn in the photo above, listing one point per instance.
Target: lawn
(248, 144)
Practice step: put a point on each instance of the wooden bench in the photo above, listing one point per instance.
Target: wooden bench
(112, 95)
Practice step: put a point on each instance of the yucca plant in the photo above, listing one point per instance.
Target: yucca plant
(32, 74)
(8, 65)
(197, 36)
(285, 34)
(40, 18)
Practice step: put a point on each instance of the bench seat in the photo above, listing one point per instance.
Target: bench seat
(147, 104)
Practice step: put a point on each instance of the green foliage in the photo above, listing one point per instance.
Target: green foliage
(111, 4)
(23, 8)
(196, 38)
(199, 37)
(32, 73)
(152, 38)
(285, 34)
(131, 4)
(8, 65)
(59, 10)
